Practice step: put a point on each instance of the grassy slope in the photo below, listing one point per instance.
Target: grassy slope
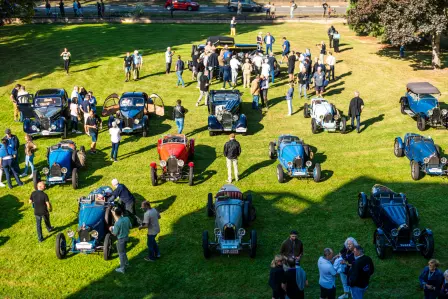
(324, 213)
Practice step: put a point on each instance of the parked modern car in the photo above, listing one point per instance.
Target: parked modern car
(224, 108)
(46, 113)
(94, 220)
(324, 116)
(421, 103)
(131, 111)
(295, 157)
(423, 154)
(182, 5)
(232, 211)
(174, 153)
(64, 161)
(396, 221)
(247, 5)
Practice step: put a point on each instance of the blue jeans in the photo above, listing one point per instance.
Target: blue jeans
(39, 225)
(358, 120)
(180, 124)
(255, 101)
(114, 152)
(224, 84)
(29, 161)
(153, 248)
(74, 123)
(302, 87)
(344, 280)
(272, 75)
(358, 293)
(268, 47)
(121, 248)
(179, 78)
(8, 167)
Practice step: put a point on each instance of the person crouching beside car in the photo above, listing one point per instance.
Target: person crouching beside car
(431, 279)
(121, 231)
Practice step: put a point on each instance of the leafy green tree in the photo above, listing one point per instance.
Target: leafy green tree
(22, 9)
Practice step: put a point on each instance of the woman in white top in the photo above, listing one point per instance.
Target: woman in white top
(74, 110)
(66, 57)
(265, 69)
(115, 137)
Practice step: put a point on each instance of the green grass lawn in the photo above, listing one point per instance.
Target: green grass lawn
(324, 213)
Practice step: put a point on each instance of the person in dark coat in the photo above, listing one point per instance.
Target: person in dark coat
(360, 273)
(212, 64)
(8, 163)
(232, 150)
(61, 8)
(226, 75)
(295, 280)
(336, 38)
(292, 248)
(125, 197)
(330, 33)
(277, 277)
(431, 279)
(444, 289)
(355, 109)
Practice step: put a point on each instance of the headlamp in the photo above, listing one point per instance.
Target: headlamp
(136, 121)
(45, 170)
(180, 163)
(94, 234)
(308, 163)
(64, 170)
(70, 233)
(426, 160)
(162, 163)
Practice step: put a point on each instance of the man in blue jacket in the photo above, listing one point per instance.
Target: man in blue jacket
(269, 40)
(125, 196)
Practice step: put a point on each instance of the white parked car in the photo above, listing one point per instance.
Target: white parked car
(324, 116)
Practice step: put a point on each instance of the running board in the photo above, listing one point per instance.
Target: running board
(409, 112)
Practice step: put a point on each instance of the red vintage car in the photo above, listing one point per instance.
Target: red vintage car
(174, 152)
(182, 5)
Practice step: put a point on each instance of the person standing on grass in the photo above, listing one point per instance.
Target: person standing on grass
(30, 148)
(289, 97)
(92, 101)
(66, 57)
(255, 91)
(74, 112)
(268, 10)
(91, 128)
(232, 150)
(264, 87)
(291, 65)
(265, 69)
(8, 163)
(272, 64)
(323, 50)
(234, 65)
(331, 62)
(75, 8)
(85, 109)
(302, 79)
(269, 40)
(226, 74)
(13, 145)
(42, 208)
(360, 273)
(259, 40)
(179, 71)
(319, 78)
(115, 137)
(294, 280)
(292, 248)
(168, 59)
(431, 280)
(151, 222)
(273, 8)
(203, 88)
(325, 7)
(127, 64)
(233, 27)
(330, 33)
(257, 62)
(121, 230)
(291, 9)
(179, 116)
(402, 51)
(277, 278)
(212, 64)
(137, 64)
(286, 49)
(336, 40)
(247, 71)
(327, 275)
(13, 98)
(61, 8)
(354, 111)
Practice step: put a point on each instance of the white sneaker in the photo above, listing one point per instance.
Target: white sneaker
(119, 270)
(2, 185)
(343, 296)
(31, 176)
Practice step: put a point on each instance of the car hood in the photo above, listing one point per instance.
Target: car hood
(322, 109)
(427, 103)
(62, 157)
(130, 112)
(47, 111)
(177, 150)
(231, 105)
(92, 215)
(424, 149)
(396, 214)
(290, 151)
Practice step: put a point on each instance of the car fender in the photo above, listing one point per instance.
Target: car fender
(403, 99)
(60, 123)
(242, 121)
(426, 231)
(379, 232)
(364, 198)
(153, 165)
(400, 142)
(422, 115)
(145, 120)
(213, 123)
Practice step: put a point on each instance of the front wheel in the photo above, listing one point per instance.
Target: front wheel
(314, 126)
(380, 246)
(107, 248)
(205, 244)
(75, 178)
(316, 173)
(153, 176)
(253, 244)
(190, 176)
(427, 250)
(280, 174)
(61, 246)
(415, 171)
(398, 151)
(306, 111)
(343, 125)
(145, 130)
(403, 106)
(421, 123)
(271, 150)
(362, 206)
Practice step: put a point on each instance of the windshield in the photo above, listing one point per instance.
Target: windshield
(225, 97)
(173, 139)
(45, 102)
(132, 102)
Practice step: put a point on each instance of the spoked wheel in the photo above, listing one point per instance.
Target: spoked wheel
(427, 250)
(314, 126)
(253, 244)
(271, 150)
(205, 244)
(107, 249)
(380, 245)
(280, 174)
(421, 123)
(61, 246)
(398, 151)
(190, 176)
(153, 176)
(75, 178)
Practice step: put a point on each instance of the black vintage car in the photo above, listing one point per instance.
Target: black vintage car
(47, 113)
(396, 221)
(224, 108)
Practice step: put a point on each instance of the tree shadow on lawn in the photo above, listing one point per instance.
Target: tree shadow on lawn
(254, 118)
(324, 223)
(419, 60)
(12, 213)
(105, 43)
(204, 156)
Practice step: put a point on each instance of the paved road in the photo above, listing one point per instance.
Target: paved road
(219, 9)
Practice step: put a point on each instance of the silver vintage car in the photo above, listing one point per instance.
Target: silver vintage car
(232, 211)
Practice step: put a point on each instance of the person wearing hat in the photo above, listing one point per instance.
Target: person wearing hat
(292, 247)
(125, 197)
(115, 137)
(138, 63)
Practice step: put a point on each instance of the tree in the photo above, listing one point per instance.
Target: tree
(22, 9)
(364, 17)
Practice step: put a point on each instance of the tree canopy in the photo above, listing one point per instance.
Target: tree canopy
(22, 9)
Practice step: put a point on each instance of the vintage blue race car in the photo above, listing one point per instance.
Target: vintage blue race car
(64, 161)
(94, 220)
(131, 111)
(232, 211)
(295, 157)
(423, 154)
(47, 113)
(420, 102)
(224, 108)
(396, 221)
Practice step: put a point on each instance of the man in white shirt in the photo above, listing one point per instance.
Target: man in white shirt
(265, 68)
(168, 59)
(331, 61)
(257, 61)
(115, 137)
(327, 274)
(234, 65)
(75, 93)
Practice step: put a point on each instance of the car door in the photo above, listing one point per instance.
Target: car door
(155, 105)
(181, 4)
(25, 103)
(111, 105)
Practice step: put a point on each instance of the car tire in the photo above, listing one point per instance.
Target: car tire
(316, 173)
(403, 104)
(253, 244)
(380, 245)
(413, 216)
(64, 132)
(108, 218)
(190, 176)
(211, 133)
(205, 244)
(363, 206)
(61, 246)
(210, 210)
(272, 152)
(280, 174)
(415, 170)
(107, 248)
(145, 130)
(314, 126)
(398, 151)
(153, 176)
(36, 179)
(306, 150)
(74, 156)
(306, 112)
(428, 250)
(75, 178)
(421, 123)
(343, 126)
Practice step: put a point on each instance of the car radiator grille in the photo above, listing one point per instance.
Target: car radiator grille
(435, 114)
(297, 162)
(128, 122)
(434, 161)
(229, 233)
(328, 118)
(227, 120)
(84, 235)
(171, 165)
(44, 123)
(55, 170)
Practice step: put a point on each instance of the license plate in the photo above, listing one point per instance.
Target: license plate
(438, 170)
(299, 173)
(83, 246)
(127, 130)
(230, 251)
(45, 133)
(240, 129)
(55, 179)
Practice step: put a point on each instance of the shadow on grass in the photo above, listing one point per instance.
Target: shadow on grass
(252, 169)
(418, 60)
(12, 208)
(371, 121)
(86, 69)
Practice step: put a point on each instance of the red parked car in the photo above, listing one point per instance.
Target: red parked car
(182, 5)
(174, 153)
